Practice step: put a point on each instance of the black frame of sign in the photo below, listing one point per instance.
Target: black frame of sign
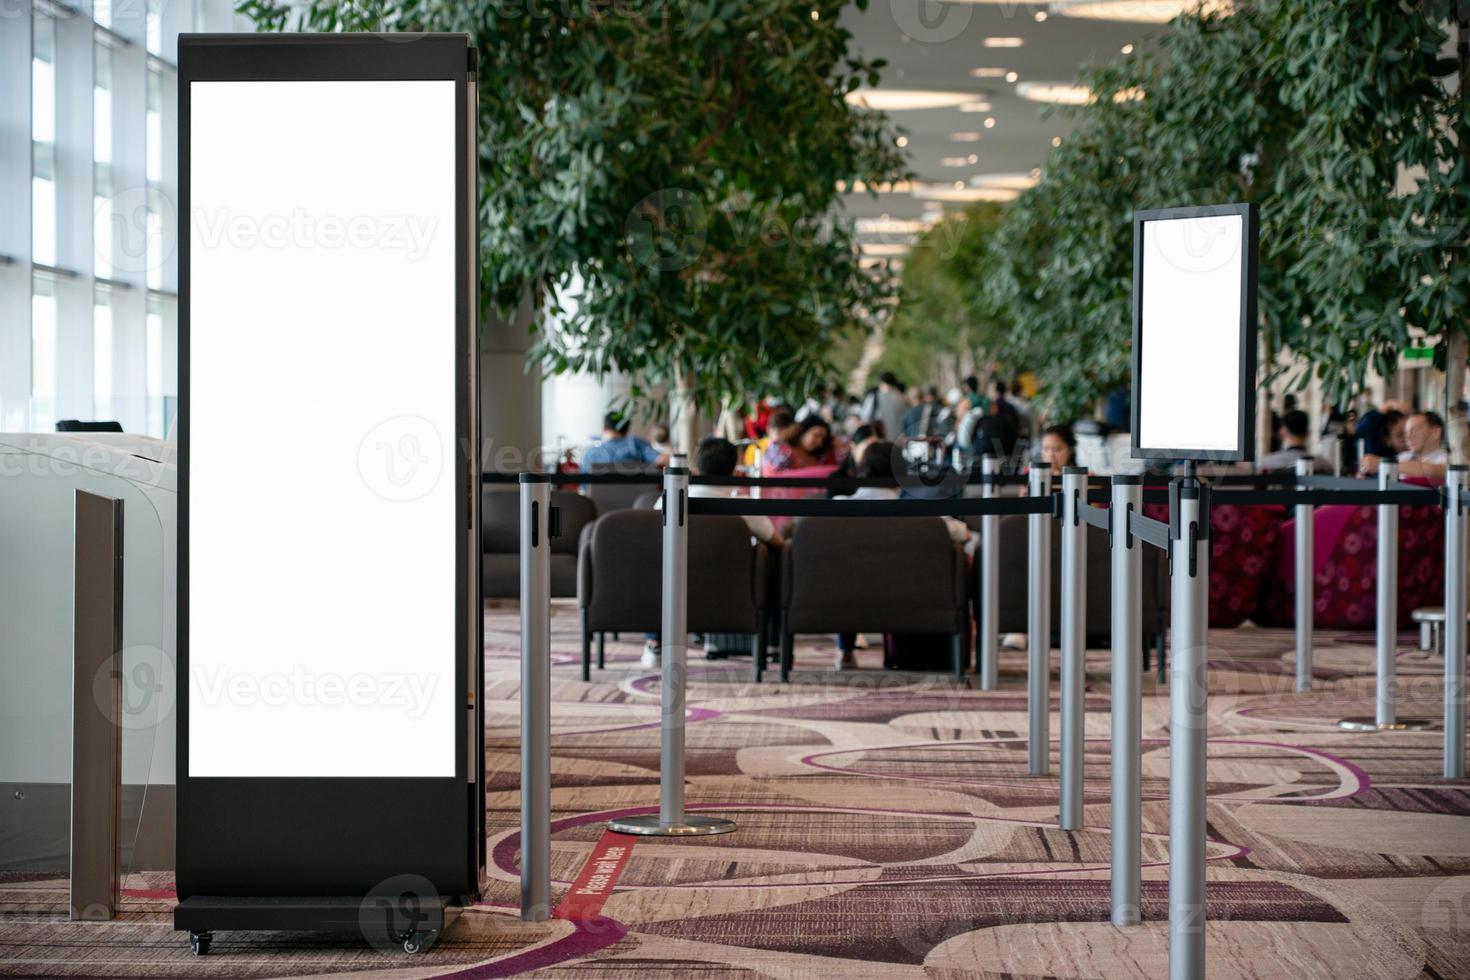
(312, 852)
(1250, 234)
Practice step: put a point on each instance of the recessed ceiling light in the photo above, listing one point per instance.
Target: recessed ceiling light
(1011, 76)
(902, 141)
(1056, 141)
(1062, 93)
(974, 158)
(959, 185)
(975, 107)
(883, 249)
(898, 100)
(1040, 16)
(970, 137)
(1003, 42)
(988, 72)
(1143, 11)
(989, 122)
(1127, 49)
(954, 161)
(816, 14)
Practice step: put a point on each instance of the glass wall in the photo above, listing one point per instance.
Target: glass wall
(88, 229)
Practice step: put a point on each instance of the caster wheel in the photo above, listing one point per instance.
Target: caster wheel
(199, 942)
(415, 943)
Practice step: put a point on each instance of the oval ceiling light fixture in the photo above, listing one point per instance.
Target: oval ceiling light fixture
(967, 137)
(954, 161)
(902, 99)
(1003, 42)
(975, 107)
(1059, 93)
(1141, 11)
(988, 72)
(883, 249)
(1067, 93)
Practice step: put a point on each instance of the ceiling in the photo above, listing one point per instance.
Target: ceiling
(935, 46)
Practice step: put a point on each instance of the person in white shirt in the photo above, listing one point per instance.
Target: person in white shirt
(877, 463)
(1426, 455)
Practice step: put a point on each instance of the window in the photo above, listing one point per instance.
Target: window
(43, 140)
(88, 230)
(43, 354)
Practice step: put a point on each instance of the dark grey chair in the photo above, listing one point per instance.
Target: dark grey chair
(617, 496)
(648, 499)
(500, 536)
(855, 575)
(620, 580)
(1154, 619)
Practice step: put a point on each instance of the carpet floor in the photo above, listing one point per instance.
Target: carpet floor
(888, 828)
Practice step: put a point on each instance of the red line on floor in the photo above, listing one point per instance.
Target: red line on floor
(584, 900)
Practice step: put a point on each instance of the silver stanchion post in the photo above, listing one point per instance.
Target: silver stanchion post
(535, 698)
(1188, 730)
(671, 820)
(1304, 594)
(1385, 717)
(1127, 801)
(1074, 643)
(1038, 629)
(1454, 621)
(989, 647)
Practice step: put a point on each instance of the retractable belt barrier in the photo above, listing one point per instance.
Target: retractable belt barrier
(1185, 538)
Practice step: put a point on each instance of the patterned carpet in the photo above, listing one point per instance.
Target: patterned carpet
(888, 829)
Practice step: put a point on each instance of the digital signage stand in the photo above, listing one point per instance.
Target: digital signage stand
(1194, 372)
(330, 646)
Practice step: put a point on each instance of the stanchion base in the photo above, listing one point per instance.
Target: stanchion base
(1370, 724)
(690, 826)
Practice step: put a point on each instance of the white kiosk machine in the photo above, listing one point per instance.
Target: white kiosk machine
(330, 759)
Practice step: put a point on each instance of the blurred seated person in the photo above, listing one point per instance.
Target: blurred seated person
(716, 457)
(866, 435)
(658, 436)
(878, 463)
(616, 446)
(809, 443)
(780, 427)
(1383, 438)
(1424, 454)
(1058, 448)
(1292, 433)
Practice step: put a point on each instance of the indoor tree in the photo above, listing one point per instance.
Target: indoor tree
(661, 178)
(1332, 115)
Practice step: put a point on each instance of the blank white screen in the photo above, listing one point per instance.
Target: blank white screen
(1189, 385)
(321, 429)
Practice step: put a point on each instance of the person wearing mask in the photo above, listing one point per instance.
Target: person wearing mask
(1058, 449)
(616, 446)
(1383, 438)
(1292, 435)
(1424, 453)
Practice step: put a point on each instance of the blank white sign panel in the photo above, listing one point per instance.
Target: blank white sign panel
(1190, 333)
(322, 537)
